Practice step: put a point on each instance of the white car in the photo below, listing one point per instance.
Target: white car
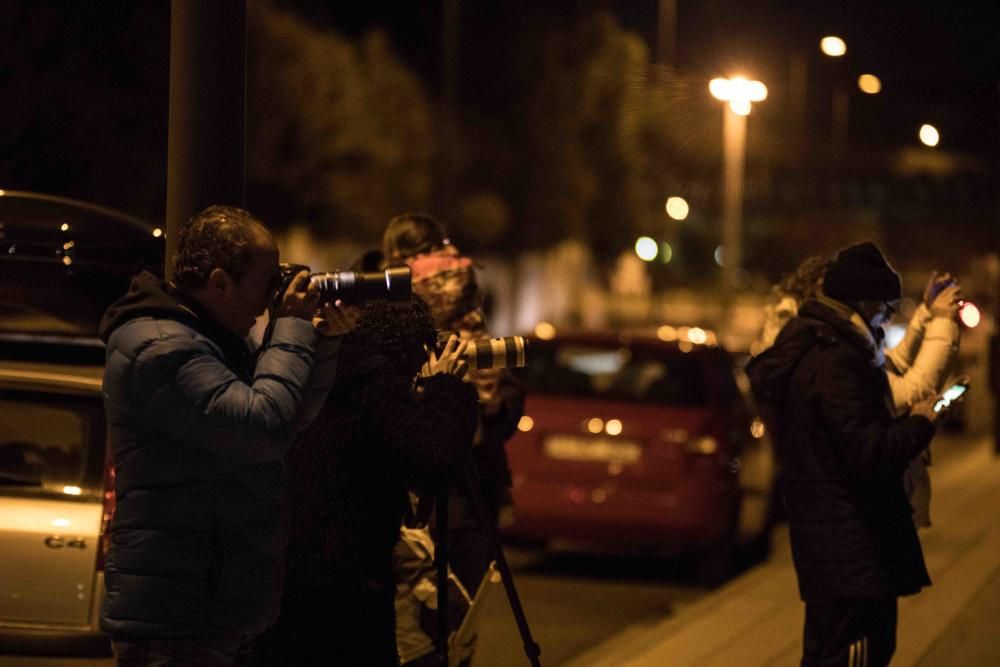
(53, 509)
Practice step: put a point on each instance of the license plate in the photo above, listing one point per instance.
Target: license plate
(572, 448)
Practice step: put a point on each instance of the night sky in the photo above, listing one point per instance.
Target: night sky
(938, 62)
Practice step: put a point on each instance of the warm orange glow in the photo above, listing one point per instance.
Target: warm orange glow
(869, 83)
(595, 425)
(613, 427)
(666, 333)
(525, 424)
(545, 331)
(157, 232)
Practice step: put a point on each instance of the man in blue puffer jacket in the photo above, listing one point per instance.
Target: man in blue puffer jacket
(199, 425)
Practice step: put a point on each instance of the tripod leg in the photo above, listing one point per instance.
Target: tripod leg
(441, 562)
(531, 647)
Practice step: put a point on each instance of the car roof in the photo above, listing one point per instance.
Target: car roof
(64, 261)
(681, 339)
(62, 378)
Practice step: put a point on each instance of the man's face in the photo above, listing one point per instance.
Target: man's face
(881, 313)
(248, 297)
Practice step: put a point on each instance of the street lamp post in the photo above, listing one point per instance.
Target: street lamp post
(739, 93)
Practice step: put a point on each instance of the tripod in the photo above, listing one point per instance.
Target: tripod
(471, 485)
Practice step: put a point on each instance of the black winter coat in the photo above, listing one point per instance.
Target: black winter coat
(842, 456)
(349, 476)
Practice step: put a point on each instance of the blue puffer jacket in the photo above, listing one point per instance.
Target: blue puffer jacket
(198, 432)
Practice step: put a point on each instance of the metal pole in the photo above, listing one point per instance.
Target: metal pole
(206, 138)
(840, 113)
(734, 136)
(666, 39)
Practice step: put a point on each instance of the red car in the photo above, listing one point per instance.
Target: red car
(647, 442)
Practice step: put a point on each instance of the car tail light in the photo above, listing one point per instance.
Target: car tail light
(108, 509)
(705, 445)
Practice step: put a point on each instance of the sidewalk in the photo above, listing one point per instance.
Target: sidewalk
(756, 620)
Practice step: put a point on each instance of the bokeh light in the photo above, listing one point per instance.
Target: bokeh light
(869, 83)
(929, 135)
(646, 248)
(545, 331)
(833, 46)
(969, 314)
(677, 208)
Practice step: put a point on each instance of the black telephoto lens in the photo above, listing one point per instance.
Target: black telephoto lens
(357, 287)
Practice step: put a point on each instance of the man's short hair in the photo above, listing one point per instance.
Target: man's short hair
(220, 237)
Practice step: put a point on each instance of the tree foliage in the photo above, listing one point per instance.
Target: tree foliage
(340, 133)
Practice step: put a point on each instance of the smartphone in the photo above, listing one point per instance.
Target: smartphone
(952, 394)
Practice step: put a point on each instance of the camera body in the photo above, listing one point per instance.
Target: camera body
(353, 287)
(483, 353)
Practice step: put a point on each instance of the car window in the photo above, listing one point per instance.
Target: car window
(620, 373)
(50, 444)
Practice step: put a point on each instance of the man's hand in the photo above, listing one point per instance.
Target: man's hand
(299, 302)
(336, 319)
(451, 359)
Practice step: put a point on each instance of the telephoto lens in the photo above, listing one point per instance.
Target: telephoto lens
(505, 352)
(357, 287)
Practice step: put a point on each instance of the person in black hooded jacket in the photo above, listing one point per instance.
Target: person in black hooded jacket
(350, 473)
(843, 455)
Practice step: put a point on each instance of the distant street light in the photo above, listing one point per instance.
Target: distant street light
(833, 46)
(739, 92)
(677, 208)
(869, 83)
(646, 248)
(929, 135)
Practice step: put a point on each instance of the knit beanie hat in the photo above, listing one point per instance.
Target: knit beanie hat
(860, 273)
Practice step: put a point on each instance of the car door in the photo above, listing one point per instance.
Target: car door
(51, 458)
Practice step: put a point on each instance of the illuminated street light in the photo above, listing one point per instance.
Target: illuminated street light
(929, 135)
(677, 208)
(833, 46)
(646, 248)
(869, 83)
(739, 92)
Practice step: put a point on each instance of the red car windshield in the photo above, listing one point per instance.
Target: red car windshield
(630, 374)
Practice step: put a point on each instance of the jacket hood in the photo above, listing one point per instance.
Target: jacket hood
(151, 296)
(771, 371)
(147, 296)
